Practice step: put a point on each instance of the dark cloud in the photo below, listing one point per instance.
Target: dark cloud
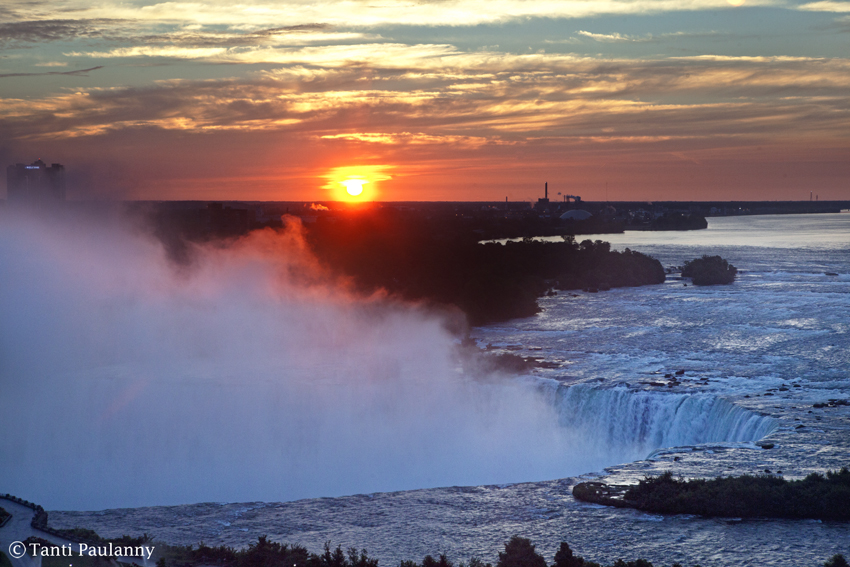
(298, 28)
(26, 33)
(40, 31)
(224, 38)
(76, 72)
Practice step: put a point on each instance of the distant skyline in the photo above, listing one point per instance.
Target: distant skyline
(430, 100)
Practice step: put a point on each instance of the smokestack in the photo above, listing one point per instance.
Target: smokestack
(546, 190)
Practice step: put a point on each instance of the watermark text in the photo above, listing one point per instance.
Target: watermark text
(35, 549)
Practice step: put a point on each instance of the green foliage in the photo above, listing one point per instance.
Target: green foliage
(4, 561)
(335, 558)
(836, 561)
(265, 553)
(519, 552)
(564, 558)
(362, 559)
(221, 555)
(816, 496)
(710, 270)
(431, 562)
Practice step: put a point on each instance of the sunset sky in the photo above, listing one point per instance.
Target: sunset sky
(430, 99)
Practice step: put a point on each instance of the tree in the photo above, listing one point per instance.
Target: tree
(564, 557)
(362, 559)
(519, 552)
(431, 562)
(333, 557)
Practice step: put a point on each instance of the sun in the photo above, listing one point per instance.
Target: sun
(354, 186)
(356, 183)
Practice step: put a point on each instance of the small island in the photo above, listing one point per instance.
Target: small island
(821, 497)
(441, 263)
(709, 270)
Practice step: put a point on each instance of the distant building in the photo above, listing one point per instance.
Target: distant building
(35, 182)
(543, 204)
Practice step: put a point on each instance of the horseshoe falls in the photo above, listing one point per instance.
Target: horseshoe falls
(635, 381)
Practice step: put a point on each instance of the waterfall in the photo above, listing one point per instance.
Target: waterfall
(634, 423)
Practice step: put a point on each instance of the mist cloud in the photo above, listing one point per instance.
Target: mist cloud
(246, 376)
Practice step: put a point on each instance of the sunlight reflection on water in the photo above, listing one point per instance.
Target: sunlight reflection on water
(815, 231)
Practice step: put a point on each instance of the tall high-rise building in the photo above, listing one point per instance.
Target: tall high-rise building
(35, 182)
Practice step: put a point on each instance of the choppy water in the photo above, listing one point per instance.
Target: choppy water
(757, 355)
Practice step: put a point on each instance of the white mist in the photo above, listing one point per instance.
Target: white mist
(127, 381)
